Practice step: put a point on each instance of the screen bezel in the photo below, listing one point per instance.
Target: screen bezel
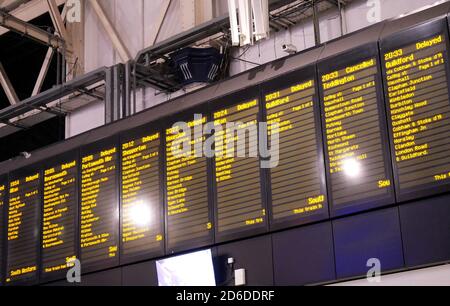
(209, 238)
(93, 149)
(337, 62)
(55, 161)
(15, 175)
(228, 101)
(3, 180)
(395, 41)
(290, 79)
(151, 128)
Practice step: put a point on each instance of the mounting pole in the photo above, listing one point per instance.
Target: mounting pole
(316, 22)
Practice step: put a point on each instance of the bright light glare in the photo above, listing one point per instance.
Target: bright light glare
(195, 269)
(140, 214)
(351, 167)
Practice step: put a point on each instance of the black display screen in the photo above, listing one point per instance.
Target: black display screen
(3, 199)
(24, 208)
(99, 226)
(416, 86)
(59, 219)
(142, 206)
(240, 208)
(356, 142)
(298, 189)
(188, 214)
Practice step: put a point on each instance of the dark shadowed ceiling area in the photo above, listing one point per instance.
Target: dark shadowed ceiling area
(22, 59)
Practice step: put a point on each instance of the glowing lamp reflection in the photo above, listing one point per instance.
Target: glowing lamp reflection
(140, 214)
(351, 167)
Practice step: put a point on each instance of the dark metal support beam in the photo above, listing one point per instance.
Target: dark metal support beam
(117, 74)
(341, 16)
(115, 100)
(337, 3)
(316, 22)
(90, 94)
(145, 75)
(12, 23)
(49, 110)
(196, 34)
(127, 91)
(52, 95)
(15, 125)
(109, 95)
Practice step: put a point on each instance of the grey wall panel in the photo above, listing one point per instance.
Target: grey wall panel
(372, 235)
(105, 278)
(142, 274)
(254, 255)
(426, 231)
(60, 284)
(304, 256)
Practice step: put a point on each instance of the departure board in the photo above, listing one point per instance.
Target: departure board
(23, 228)
(239, 204)
(356, 143)
(142, 209)
(3, 199)
(99, 228)
(188, 215)
(298, 189)
(416, 77)
(60, 215)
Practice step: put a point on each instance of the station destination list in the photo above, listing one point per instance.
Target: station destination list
(142, 227)
(296, 183)
(59, 217)
(22, 230)
(99, 231)
(188, 215)
(419, 110)
(353, 143)
(238, 178)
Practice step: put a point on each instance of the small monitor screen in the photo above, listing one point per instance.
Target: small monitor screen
(195, 269)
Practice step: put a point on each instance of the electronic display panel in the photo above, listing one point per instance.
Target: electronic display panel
(240, 208)
(416, 71)
(24, 207)
(194, 269)
(99, 199)
(356, 143)
(3, 203)
(189, 217)
(59, 241)
(297, 185)
(142, 216)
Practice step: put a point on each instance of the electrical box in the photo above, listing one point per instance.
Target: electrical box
(239, 277)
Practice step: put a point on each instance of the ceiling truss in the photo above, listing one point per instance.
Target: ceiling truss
(144, 72)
